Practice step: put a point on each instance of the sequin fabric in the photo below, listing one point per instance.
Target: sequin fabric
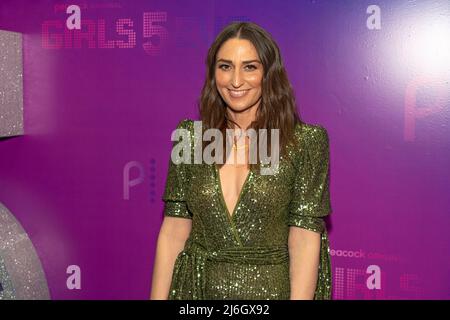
(245, 255)
(21, 273)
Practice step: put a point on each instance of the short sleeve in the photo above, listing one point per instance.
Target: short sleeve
(174, 196)
(310, 201)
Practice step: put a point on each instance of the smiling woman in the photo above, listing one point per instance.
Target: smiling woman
(230, 232)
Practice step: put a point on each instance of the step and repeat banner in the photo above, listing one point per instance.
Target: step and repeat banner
(90, 92)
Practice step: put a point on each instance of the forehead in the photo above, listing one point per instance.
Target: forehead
(237, 49)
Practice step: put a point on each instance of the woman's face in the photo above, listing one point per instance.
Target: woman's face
(239, 74)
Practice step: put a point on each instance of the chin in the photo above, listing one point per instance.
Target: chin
(239, 108)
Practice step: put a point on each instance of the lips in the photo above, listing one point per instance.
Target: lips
(238, 93)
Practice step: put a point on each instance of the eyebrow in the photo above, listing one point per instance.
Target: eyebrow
(244, 62)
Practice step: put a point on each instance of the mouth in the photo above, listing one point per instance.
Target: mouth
(238, 93)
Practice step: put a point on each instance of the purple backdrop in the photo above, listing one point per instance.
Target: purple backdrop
(85, 180)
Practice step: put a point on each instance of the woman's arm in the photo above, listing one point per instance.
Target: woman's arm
(171, 240)
(304, 255)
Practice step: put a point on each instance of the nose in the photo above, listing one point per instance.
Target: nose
(236, 79)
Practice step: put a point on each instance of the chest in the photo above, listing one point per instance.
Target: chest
(232, 179)
(225, 189)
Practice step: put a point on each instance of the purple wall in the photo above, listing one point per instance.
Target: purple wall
(99, 108)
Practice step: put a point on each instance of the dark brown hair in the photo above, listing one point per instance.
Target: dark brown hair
(277, 109)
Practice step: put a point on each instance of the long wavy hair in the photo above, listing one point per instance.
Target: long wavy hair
(277, 109)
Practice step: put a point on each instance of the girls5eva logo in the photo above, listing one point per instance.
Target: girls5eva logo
(77, 32)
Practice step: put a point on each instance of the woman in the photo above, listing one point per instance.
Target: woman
(230, 232)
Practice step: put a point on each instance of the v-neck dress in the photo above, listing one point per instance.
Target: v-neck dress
(245, 255)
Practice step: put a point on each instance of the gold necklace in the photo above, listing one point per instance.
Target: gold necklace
(240, 147)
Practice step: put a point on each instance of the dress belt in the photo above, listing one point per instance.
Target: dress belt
(194, 258)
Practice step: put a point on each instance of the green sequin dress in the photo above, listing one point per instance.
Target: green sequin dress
(245, 255)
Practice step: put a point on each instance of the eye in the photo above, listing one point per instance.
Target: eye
(249, 66)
